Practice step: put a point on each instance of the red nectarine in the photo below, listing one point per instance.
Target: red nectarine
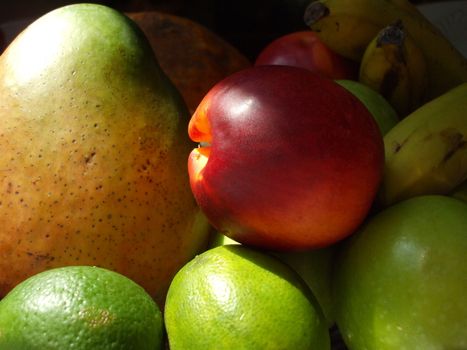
(287, 159)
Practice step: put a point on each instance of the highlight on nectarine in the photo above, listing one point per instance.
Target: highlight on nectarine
(286, 159)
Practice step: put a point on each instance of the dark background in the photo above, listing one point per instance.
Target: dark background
(248, 25)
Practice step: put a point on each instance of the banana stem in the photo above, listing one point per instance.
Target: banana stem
(392, 34)
(314, 12)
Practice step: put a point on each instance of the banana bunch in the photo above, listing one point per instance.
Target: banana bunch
(404, 57)
(426, 152)
(394, 66)
(349, 26)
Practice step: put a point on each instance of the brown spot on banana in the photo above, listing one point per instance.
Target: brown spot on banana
(389, 82)
(397, 146)
(455, 141)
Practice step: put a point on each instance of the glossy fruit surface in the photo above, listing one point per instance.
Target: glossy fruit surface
(401, 280)
(304, 49)
(79, 307)
(288, 159)
(234, 297)
(94, 149)
(314, 267)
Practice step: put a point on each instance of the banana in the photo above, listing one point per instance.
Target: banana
(345, 33)
(426, 153)
(348, 26)
(394, 66)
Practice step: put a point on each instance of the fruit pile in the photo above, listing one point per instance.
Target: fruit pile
(159, 195)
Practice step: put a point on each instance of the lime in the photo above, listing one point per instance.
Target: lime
(79, 307)
(314, 267)
(235, 297)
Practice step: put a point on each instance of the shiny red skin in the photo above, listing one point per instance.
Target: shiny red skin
(295, 159)
(304, 49)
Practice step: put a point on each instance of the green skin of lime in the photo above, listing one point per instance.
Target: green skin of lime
(82, 308)
(401, 280)
(235, 297)
(314, 267)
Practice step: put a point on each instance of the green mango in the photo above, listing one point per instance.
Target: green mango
(93, 153)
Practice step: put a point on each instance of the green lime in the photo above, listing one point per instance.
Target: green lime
(235, 297)
(314, 267)
(79, 307)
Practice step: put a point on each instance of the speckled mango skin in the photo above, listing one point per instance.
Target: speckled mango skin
(93, 153)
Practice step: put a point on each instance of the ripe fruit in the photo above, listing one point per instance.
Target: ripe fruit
(82, 308)
(379, 107)
(288, 159)
(192, 56)
(304, 49)
(314, 267)
(234, 297)
(401, 280)
(94, 149)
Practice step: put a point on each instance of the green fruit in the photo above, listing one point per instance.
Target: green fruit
(82, 308)
(385, 115)
(313, 266)
(217, 239)
(401, 280)
(234, 297)
(93, 153)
